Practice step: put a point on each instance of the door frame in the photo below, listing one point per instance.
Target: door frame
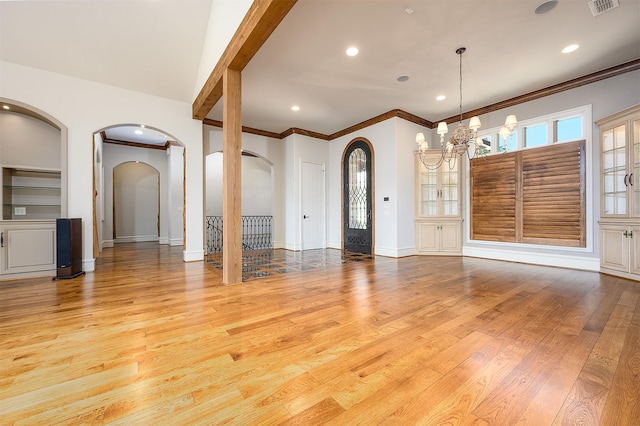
(373, 192)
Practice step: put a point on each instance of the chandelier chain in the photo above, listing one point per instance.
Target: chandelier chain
(460, 54)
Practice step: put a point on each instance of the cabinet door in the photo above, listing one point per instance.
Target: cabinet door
(614, 253)
(634, 178)
(450, 237)
(428, 240)
(614, 171)
(28, 248)
(438, 190)
(428, 190)
(450, 189)
(634, 241)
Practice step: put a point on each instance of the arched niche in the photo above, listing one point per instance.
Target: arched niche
(31, 139)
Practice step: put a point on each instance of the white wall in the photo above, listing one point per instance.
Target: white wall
(115, 155)
(257, 186)
(175, 202)
(27, 141)
(85, 107)
(136, 198)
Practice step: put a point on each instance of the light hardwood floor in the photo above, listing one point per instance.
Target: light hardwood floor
(150, 340)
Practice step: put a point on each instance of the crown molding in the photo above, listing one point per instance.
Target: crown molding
(548, 91)
(527, 97)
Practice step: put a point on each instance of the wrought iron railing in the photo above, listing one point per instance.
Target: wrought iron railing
(256, 233)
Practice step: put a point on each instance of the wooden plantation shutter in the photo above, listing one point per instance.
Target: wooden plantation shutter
(534, 196)
(493, 198)
(553, 198)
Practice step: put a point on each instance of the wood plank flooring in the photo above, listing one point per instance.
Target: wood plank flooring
(150, 340)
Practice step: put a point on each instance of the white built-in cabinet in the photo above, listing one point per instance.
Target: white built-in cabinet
(27, 248)
(438, 221)
(620, 198)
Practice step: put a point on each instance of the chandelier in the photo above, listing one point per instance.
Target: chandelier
(463, 139)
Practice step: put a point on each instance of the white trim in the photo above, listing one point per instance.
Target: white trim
(136, 239)
(192, 256)
(89, 265)
(163, 240)
(107, 244)
(176, 241)
(558, 260)
(394, 252)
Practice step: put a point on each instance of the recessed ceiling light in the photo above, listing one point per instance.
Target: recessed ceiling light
(546, 6)
(138, 132)
(441, 98)
(570, 48)
(352, 51)
(403, 78)
(295, 108)
(409, 11)
(5, 107)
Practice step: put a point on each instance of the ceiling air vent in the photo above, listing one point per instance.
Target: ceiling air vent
(600, 6)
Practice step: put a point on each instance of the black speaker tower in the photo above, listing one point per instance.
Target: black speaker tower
(68, 248)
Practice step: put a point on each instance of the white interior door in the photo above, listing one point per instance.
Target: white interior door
(313, 200)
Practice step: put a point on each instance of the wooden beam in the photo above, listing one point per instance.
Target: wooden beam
(261, 20)
(232, 178)
(251, 130)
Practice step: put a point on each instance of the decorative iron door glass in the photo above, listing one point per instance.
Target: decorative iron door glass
(357, 198)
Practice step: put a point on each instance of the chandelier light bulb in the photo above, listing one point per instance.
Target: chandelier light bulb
(474, 123)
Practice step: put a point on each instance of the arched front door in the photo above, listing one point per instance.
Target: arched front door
(357, 195)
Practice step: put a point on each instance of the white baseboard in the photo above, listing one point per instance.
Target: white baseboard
(394, 252)
(89, 265)
(193, 255)
(163, 241)
(176, 242)
(107, 244)
(137, 239)
(558, 260)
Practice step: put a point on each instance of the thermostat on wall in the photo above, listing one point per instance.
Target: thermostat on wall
(19, 211)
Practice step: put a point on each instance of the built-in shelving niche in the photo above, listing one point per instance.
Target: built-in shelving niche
(30, 194)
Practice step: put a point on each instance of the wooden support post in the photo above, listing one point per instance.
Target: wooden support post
(232, 178)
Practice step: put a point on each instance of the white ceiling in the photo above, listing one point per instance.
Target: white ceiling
(151, 46)
(154, 46)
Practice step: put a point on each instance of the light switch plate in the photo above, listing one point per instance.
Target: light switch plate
(19, 211)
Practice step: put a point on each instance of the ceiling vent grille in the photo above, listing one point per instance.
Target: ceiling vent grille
(598, 7)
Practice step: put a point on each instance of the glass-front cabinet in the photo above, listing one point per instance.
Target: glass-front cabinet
(620, 193)
(438, 193)
(621, 169)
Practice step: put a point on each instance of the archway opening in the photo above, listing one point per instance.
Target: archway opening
(127, 144)
(257, 202)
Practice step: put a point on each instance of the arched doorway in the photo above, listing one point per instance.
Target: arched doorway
(357, 197)
(128, 143)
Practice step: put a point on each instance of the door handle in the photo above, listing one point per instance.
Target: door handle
(630, 181)
(304, 216)
(625, 180)
(2, 239)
